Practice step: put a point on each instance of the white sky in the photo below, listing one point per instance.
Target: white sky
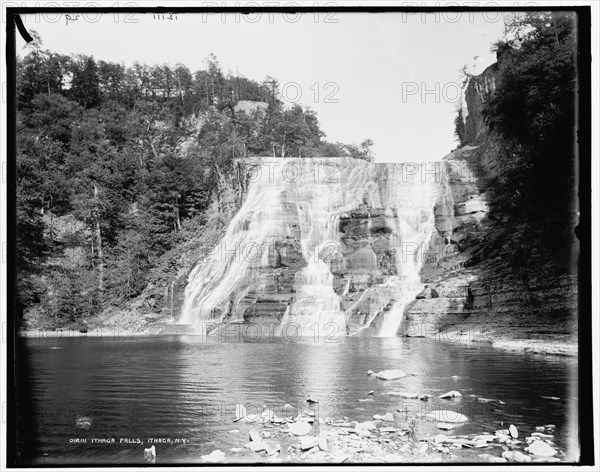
(367, 63)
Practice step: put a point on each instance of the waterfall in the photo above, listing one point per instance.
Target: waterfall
(285, 259)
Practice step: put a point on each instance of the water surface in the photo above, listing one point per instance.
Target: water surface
(185, 387)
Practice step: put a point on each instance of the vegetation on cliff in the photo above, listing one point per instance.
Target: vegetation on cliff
(117, 166)
(530, 115)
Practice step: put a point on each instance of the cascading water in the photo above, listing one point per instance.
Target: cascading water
(297, 204)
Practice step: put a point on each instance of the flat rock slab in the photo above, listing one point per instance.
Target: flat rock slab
(447, 426)
(386, 417)
(215, 456)
(451, 394)
(403, 394)
(447, 416)
(516, 456)
(540, 448)
(391, 374)
(300, 428)
(309, 442)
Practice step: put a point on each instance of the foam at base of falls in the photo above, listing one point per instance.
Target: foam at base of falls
(301, 254)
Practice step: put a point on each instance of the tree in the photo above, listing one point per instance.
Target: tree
(533, 108)
(364, 151)
(85, 86)
(460, 131)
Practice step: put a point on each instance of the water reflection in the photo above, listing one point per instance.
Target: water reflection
(187, 387)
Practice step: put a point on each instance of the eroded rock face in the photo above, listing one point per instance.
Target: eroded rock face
(346, 250)
(477, 93)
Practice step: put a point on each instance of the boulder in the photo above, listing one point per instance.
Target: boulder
(150, 454)
(514, 433)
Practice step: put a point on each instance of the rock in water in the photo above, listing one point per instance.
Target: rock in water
(485, 400)
(514, 433)
(254, 436)
(311, 400)
(516, 456)
(271, 451)
(404, 394)
(257, 446)
(451, 394)
(83, 422)
(447, 416)
(300, 428)
(391, 374)
(240, 412)
(386, 417)
(150, 454)
(215, 456)
(371, 392)
(323, 442)
(491, 458)
(540, 448)
(309, 442)
(446, 426)
(369, 372)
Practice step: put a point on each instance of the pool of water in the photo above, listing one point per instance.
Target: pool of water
(184, 389)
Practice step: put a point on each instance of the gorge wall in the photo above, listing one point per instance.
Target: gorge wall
(494, 285)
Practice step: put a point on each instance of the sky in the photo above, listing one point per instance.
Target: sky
(390, 77)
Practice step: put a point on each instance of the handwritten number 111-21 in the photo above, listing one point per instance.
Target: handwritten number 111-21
(164, 16)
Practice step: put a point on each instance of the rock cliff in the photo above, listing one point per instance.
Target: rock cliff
(495, 286)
